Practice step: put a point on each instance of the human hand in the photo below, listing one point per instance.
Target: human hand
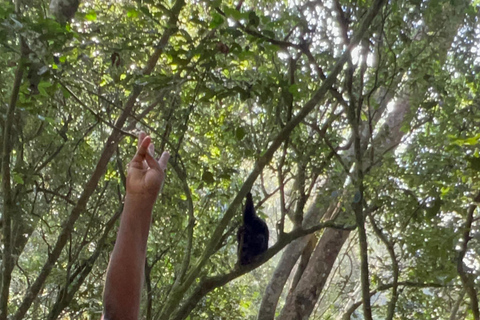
(145, 175)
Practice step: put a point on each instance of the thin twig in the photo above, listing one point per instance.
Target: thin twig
(354, 306)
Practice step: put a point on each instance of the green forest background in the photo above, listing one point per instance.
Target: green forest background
(356, 124)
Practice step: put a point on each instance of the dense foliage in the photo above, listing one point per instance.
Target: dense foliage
(360, 116)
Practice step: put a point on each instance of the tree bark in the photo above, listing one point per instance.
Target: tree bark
(287, 262)
(300, 304)
(305, 257)
(9, 207)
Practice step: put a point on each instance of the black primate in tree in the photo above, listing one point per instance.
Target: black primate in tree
(252, 236)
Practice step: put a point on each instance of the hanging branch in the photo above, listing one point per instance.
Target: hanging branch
(280, 174)
(354, 118)
(359, 214)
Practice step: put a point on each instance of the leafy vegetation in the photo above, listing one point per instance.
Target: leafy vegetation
(355, 124)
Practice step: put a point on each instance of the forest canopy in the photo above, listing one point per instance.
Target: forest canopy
(355, 125)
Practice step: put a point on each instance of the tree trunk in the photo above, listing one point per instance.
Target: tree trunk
(301, 301)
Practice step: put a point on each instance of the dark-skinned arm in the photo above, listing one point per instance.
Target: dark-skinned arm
(125, 271)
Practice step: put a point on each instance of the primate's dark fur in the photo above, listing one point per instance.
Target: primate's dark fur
(252, 236)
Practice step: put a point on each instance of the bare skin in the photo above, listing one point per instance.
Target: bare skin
(123, 286)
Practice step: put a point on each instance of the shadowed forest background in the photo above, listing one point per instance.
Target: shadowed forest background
(356, 124)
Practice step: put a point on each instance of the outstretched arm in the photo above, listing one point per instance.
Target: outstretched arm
(124, 281)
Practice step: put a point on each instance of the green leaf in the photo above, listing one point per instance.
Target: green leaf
(215, 3)
(233, 13)
(42, 86)
(65, 93)
(91, 15)
(146, 11)
(435, 209)
(132, 13)
(17, 178)
(217, 20)
(268, 33)
(293, 89)
(472, 141)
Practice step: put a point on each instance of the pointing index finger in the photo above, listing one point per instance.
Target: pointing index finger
(142, 149)
(141, 137)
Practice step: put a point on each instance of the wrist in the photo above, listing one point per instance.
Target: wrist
(140, 201)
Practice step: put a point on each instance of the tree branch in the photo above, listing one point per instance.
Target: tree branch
(396, 271)
(468, 280)
(206, 285)
(74, 283)
(456, 306)
(353, 307)
(8, 203)
(191, 223)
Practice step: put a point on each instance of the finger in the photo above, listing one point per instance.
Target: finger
(151, 149)
(152, 163)
(142, 149)
(141, 136)
(162, 162)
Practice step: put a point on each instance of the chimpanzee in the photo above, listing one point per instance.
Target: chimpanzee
(252, 236)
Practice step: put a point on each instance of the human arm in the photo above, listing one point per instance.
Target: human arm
(125, 271)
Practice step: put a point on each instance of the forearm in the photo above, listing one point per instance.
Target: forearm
(125, 271)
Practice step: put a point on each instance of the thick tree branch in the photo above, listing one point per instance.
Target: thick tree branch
(8, 203)
(206, 285)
